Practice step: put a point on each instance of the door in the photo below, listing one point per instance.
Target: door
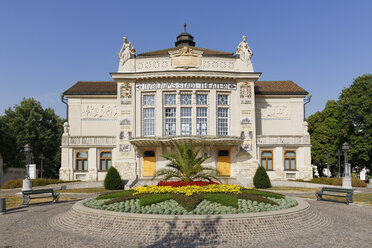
(223, 162)
(148, 163)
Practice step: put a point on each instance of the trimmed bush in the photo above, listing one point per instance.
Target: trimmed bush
(113, 179)
(261, 180)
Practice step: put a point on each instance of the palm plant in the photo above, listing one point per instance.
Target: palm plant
(186, 165)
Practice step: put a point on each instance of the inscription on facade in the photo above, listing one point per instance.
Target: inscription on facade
(185, 85)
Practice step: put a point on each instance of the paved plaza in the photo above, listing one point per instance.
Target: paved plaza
(339, 225)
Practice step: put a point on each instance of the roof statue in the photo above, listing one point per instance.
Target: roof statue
(244, 51)
(126, 51)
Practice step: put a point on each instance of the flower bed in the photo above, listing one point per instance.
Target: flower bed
(192, 199)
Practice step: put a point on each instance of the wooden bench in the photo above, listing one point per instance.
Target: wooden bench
(28, 193)
(335, 192)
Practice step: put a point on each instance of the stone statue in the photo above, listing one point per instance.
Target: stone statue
(66, 128)
(126, 51)
(244, 50)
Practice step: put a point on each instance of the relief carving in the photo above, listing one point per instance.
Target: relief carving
(99, 111)
(272, 111)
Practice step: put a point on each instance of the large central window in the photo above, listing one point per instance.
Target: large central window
(148, 104)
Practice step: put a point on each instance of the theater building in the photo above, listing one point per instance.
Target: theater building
(180, 94)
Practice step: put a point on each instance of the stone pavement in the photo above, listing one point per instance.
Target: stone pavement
(348, 226)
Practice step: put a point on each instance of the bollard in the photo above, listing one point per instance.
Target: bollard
(2, 205)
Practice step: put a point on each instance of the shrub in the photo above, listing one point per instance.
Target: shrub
(261, 180)
(355, 182)
(113, 179)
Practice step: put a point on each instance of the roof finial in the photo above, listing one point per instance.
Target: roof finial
(184, 25)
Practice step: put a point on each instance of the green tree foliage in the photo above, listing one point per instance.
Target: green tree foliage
(113, 180)
(29, 123)
(186, 164)
(356, 116)
(261, 180)
(347, 120)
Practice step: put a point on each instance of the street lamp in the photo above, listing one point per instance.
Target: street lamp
(27, 183)
(346, 180)
(41, 157)
(338, 153)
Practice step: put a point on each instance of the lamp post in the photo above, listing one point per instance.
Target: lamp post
(41, 157)
(328, 172)
(27, 183)
(346, 180)
(338, 153)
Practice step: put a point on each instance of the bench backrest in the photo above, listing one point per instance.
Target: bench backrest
(339, 190)
(37, 191)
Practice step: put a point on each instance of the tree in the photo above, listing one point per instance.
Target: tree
(324, 130)
(347, 120)
(29, 123)
(356, 118)
(186, 165)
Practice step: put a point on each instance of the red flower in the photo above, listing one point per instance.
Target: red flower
(182, 183)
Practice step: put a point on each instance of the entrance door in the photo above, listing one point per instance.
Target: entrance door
(223, 162)
(148, 163)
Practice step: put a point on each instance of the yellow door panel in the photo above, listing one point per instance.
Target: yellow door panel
(223, 162)
(148, 163)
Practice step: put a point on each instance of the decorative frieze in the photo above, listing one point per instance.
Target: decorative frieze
(99, 111)
(272, 111)
(185, 85)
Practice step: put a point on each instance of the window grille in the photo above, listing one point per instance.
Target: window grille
(148, 121)
(222, 100)
(148, 100)
(186, 99)
(170, 99)
(201, 99)
(201, 121)
(186, 121)
(170, 122)
(222, 121)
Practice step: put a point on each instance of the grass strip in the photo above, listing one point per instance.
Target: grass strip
(263, 193)
(223, 199)
(253, 197)
(154, 198)
(115, 195)
(188, 202)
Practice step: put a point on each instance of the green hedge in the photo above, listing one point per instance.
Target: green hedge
(17, 183)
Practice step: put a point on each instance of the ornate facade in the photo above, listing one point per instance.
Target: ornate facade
(179, 94)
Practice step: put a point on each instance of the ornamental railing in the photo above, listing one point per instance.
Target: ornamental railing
(283, 139)
(89, 140)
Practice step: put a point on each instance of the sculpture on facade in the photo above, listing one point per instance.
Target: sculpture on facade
(126, 51)
(244, 50)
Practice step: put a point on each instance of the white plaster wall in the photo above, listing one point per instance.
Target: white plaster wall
(285, 125)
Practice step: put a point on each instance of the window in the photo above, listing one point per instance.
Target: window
(201, 99)
(170, 99)
(104, 161)
(201, 121)
(170, 122)
(289, 160)
(222, 99)
(148, 102)
(222, 115)
(81, 161)
(186, 99)
(148, 121)
(185, 121)
(267, 160)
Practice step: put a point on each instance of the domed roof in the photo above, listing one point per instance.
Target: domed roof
(185, 39)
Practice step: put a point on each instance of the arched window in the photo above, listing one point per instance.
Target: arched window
(289, 160)
(267, 160)
(81, 160)
(104, 161)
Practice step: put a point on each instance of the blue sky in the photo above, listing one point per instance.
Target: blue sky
(47, 46)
